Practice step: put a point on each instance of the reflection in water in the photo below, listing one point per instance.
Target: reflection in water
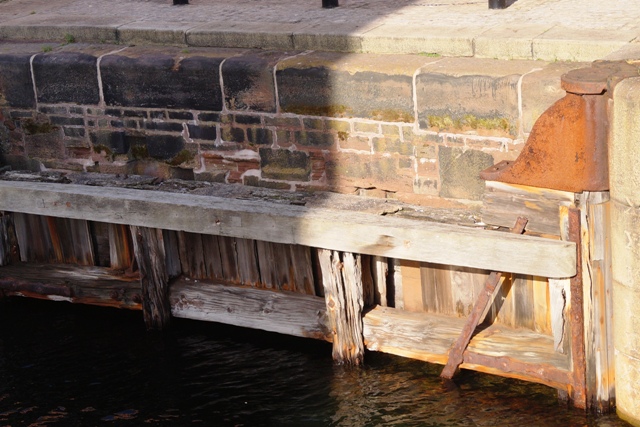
(70, 365)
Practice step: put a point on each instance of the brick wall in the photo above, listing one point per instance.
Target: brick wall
(413, 127)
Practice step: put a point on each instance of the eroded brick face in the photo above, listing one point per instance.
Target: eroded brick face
(265, 119)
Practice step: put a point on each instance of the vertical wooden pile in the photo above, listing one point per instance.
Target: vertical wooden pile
(148, 247)
(343, 290)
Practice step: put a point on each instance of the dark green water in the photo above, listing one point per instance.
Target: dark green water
(66, 365)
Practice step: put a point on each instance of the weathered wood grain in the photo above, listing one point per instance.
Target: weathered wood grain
(598, 310)
(6, 225)
(503, 351)
(282, 312)
(380, 273)
(503, 202)
(342, 282)
(77, 284)
(120, 246)
(248, 262)
(389, 236)
(148, 247)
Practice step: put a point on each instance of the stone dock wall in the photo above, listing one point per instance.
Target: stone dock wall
(411, 127)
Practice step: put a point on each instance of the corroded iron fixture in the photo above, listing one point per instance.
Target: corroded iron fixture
(567, 147)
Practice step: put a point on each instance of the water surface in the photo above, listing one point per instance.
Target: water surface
(67, 365)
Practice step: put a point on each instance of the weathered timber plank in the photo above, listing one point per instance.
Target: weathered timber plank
(211, 251)
(77, 284)
(248, 262)
(502, 202)
(394, 237)
(428, 337)
(34, 240)
(100, 237)
(148, 247)
(172, 252)
(577, 392)
(598, 310)
(380, 273)
(120, 249)
(6, 228)
(412, 294)
(282, 312)
(342, 281)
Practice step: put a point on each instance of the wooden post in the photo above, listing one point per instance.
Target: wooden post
(597, 299)
(577, 391)
(148, 247)
(5, 242)
(342, 282)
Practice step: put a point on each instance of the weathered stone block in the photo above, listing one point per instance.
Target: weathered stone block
(260, 136)
(285, 165)
(627, 390)
(164, 147)
(16, 87)
(328, 84)
(67, 121)
(178, 115)
(244, 119)
(314, 139)
(74, 132)
(232, 134)
(115, 142)
(163, 126)
(209, 133)
(248, 82)
(69, 77)
(454, 95)
(209, 117)
(162, 81)
(392, 145)
(459, 172)
(45, 146)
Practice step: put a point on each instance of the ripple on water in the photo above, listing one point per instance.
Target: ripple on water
(83, 366)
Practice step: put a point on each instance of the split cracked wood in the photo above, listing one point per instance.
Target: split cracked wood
(148, 247)
(479, 309)
(342, 282)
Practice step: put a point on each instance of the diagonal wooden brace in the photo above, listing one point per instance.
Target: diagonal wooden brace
(477, 314)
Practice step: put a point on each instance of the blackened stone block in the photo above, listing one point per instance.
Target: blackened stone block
(233, 134)
(247, 120)
(16, 87)
(68, 121)
(460, 172)
(114, 141)
(180, 115)
(159, 81)
(285, 164)
(209, 133)
(209, 117)
(53, 110)
(66, 77)
(74, 132)
(260, 136)
(163, 126)
(248, 82)
(164, 147)
(134, 113)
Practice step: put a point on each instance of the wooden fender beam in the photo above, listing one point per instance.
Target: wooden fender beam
(355, 232)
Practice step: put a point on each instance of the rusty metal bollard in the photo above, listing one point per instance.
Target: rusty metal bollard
(567, 147)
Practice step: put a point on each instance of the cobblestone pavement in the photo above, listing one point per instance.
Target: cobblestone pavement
(584, 21)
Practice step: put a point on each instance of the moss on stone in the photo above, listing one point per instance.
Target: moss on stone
(32, 127)
(182, 157)
(469, 121)
(315, 110)
(389, 115)
(139, 152)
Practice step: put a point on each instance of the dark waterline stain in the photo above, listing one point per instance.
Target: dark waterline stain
(67, 365)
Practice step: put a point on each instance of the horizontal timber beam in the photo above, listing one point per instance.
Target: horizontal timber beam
(356, 232)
